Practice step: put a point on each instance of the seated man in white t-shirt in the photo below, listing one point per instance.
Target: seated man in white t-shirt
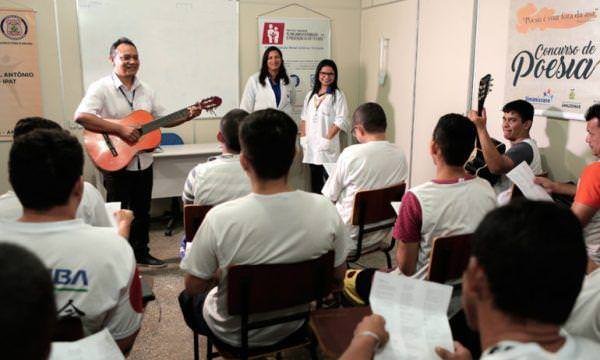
(273, 224)
(221, 178)
(93, 268)
(516, 124)
(514, 294)
(375, 163)
(91, 209)
(453, 203)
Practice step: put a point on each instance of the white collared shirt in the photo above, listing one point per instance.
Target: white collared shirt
(105, 99)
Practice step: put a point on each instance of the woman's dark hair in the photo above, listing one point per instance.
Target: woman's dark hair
(333, 87)
(264, 70)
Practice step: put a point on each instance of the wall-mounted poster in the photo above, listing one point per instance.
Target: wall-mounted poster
(303, 42)
(20, 88)
(553, 55)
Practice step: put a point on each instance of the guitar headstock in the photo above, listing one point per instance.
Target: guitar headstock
(210, 103)
(485, 85)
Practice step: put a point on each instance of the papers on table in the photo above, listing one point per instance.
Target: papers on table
(523, 176)
(100, 346)
(111, 208)
(415, 316)
(329, 167)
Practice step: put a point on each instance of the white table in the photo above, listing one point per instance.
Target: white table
(171, 167)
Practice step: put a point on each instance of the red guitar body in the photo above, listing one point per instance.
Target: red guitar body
(100, 152)
(111, 153)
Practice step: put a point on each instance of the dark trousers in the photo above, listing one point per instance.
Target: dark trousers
(318, 176)
(134, 190)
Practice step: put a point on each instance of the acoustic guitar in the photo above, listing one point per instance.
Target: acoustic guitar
(477, 166)
(111, 153)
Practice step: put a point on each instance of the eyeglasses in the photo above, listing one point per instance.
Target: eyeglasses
(326, 73)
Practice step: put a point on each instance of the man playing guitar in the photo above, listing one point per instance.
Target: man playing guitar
(516, 124)
(114, 97)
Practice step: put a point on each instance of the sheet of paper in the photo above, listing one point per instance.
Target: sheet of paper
(329, 167)
(523, 176)
(396, 206)
(415, 316)
(100, 346)
(111, 208)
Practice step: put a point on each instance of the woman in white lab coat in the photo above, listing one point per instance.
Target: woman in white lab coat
(271, 87)
(324, 114)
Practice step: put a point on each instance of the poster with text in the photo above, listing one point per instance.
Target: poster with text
(553, 56)
(20, 89)
(303, 42)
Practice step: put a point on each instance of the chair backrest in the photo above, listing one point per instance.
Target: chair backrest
(193, 215)
(170, 139)
(269, 287)
(371, 206)
(449, 257)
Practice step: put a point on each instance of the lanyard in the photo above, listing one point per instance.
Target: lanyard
(127, 99)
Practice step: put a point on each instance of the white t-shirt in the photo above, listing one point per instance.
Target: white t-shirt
(574, 348)
(446, 208)
(91, 209)
(331, 110)
(109, 98)
(585, 317)
(219, 179)
(261, 229)
(369, 166)
(93, 270)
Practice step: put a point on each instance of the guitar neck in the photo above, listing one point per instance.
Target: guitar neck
(165, 121)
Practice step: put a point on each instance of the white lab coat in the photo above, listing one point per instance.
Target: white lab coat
(258, 97)
(318, 150)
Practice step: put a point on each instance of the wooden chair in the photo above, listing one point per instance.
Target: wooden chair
(193, 215)
(373, 206)
(449, 257)
(253, 289)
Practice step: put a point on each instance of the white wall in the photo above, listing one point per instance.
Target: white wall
(62, 87)
(443, 66)
(438, 74)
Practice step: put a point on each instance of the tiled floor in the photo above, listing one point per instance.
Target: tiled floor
(164, 334)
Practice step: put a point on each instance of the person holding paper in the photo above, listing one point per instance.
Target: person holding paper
(271, 86)
(324, 114)
(374, 163)
(92, 207)
(513, 292)
(516, 124)
(93, 268)
(587, 192)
